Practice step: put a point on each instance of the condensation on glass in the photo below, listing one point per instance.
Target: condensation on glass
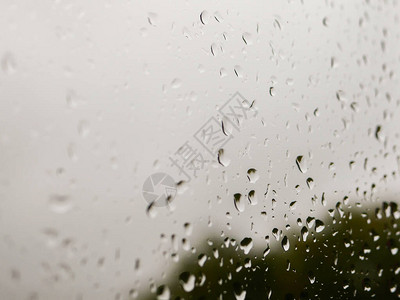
(199, 149)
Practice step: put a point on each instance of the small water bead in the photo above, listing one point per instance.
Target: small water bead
(188, 228)
(272, 92)
(163, 293)
(204, 17)
(8, 63)
(60, 203)
(304, 233)
(176, 83)
(152, 18)
(310, 222)
(252, 175)
(238, 71)
(246, 245)
(238, 202)
(201, 260)
(247, 38)
(83, 128)
(222, 158)
(341, 96)
(319, 226)
(301, 163)
(310, 183)
(187, 281)
(285, 243)
(151, 210)
(252, 197)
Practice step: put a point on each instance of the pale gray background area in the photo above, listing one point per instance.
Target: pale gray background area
(95, 96)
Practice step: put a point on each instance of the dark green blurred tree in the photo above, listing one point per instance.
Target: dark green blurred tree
(355, 256)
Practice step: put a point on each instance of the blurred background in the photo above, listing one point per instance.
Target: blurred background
(265, 116)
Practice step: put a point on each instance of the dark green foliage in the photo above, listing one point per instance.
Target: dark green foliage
(354, 257)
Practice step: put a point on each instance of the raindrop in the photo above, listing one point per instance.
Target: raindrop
(223, 73)
(163, 293)
(83, 128)
(285, 243)
(246, 244)
(238, 71)
(378, 133)
(310, 183)
(275, 233)
(151, 210)
(218, 17)
(223, 159)
(204, 17)
(71, 99)
(152, 18)
(310, 222)
(201, 259)
(188, 228)
(227, 127)
(187, 281)
(311, 277)
(8, 63)
(272, 91)
(301, 164)
(247, 38)
(176, 83)
(252, 175)
(304, 233)
(60, 203)
(252, 197)
(319, 225)
(238, 202)
(266, 251)
(341, 96)
(71, 151)
(240, 293)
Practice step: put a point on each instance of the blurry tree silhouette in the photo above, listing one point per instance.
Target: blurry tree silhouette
(355, 256)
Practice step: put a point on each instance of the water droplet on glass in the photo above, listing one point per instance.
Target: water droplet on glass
(176, 83)
(252, 175)
(8, 63)
(246, 244)
(201, 259)
(304, 233)
(60, 203)
(238, 71)
(341, 96)
(83, 128)
(310, 183)
(163, 293)
(222, 158)
(247, 38)
(204, 17)
(272, 91)
(151, 210)
(238, 202)
(301, 163)
(152, 18)
(187, 281)
(285, 243)
(71, 99)
(252, 197)
(319, 225)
